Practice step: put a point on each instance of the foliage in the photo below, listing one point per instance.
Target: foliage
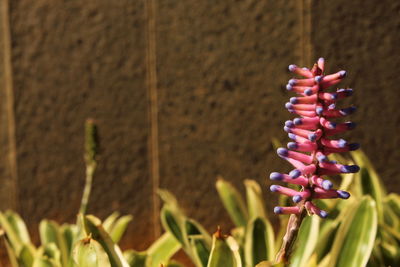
(363, 231)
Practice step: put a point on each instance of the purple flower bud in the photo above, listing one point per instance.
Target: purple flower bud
(318, 79)
(351, 125)
(294, 173)
(342, 73)
(354, 146)
(293, 100)
(289, 124)
(297, 121)
(322, 158)
(288, 105)
(289, 87)
(297, 198)
(292, 67)
(291, 136)
(343, 194)
(276, 176)
(308, 92)
(278, 210)
(274, 188)
(292, 81)
(347, 111)
(350, 168)
(323, 214)
(292, 145)
(319, 110)
(327, 185)
(283, 152)
(342, 143)
(312, 137)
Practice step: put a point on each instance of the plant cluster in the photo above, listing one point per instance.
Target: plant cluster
(362, 231)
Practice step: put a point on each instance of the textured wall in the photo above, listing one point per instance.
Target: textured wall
(221, 69)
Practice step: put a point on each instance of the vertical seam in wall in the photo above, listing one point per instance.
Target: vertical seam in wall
(8, 87)
(151, 79)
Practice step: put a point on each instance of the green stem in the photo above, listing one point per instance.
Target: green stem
(90, 169)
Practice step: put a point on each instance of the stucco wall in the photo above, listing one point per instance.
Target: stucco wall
(220, 71)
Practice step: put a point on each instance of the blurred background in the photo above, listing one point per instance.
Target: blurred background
(182, 91)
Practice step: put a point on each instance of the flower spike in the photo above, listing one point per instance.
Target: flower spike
(312, 139)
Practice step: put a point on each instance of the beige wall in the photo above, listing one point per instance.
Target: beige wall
(212, 75)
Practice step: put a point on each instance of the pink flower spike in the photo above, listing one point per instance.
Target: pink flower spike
(343, 93)
(312, 138)
(327, 96)
(304, 100)
(300, 132)
(306, 121)
(300, 71)
(327, 124)
(305, 113)
(327, 84)
(334, 143)
(295, 155)
(287, 210)
(301, 180)
(283, 190)
(307, 107)
(301, 196)
(297, 138)
(318, 181)
(331, 77)
(302, 82)
(321, 64)
(311, 208)
(347, 148)
(297, 89)
(303, 147)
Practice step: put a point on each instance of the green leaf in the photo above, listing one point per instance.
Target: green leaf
(52, 252)
(120, 227)
(326, 237)
(27, 255)
(70, 234)
(224, 252)
(19, 226)
(168, 198)
(136, 259)
(232, 202)
(89, 253)
(369, 180)
(199, 240)
(163, 249)
(11, 252)
(50, 232)
(306, 241)
(356, 235)
(172, 223)
(94, 227)
(13, 238)
(110, 220)
(269, 264)
(259, 242)
(255, 203)
(200, 249)
(44, 262)
(393, 201)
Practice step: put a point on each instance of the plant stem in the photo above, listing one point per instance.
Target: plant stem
(90, 168)
(289, 239)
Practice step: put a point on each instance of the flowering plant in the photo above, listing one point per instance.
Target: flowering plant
(311, 133)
